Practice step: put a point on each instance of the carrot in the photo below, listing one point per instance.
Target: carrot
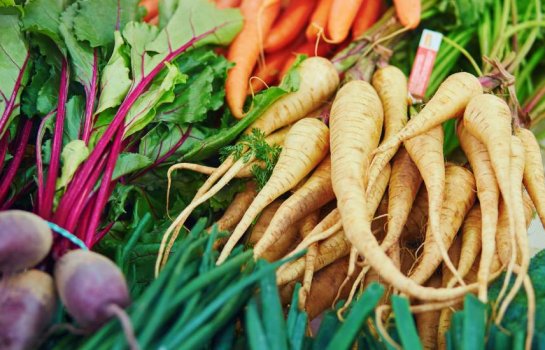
(316, 192)
(307, 48)
(284, 243)
(292, 20)
(222, 4)
(318, 20)
(402, 190)
(488, 194)
(333, 248)
(391, 86)
(307, 224)
(244, 51)
(236, 209)
(471, 243)
(325, 286)
(427, 322)
(448, 102)
(418, 218)
(426, 150)
(305, 146)
(268, 72)
(341, 17)
(521, 235)
(368, 14)
(408, 12)
(459, 198)
(152, 8)
(533, 179)
(263, 222)
(154, 21)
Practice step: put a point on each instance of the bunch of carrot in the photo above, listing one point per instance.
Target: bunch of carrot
(274, 34)
(371, 197)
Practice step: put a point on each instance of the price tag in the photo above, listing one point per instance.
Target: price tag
(423, 63)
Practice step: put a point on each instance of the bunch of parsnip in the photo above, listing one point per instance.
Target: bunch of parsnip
(371, 197)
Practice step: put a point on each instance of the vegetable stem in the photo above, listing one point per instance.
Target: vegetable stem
(46, 204)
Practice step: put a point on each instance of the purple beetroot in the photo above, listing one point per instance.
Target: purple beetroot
(25, 240)
(27, 305)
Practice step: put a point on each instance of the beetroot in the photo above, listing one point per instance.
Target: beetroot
(25, 240)
(89, 284)
(27, 305)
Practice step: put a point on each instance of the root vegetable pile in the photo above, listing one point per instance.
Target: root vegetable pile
(461, 224)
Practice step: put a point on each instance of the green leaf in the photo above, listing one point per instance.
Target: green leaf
(359, 313)
(128, 163)
(192, 19)
(405, 323)
(12, 59)
(73, 155)
(291, 80)
(137, 35)
(160, 91)
(81, 54)
(166, 10)
(516, 316)
(73, 119)
(254, 329)
(205, 148)
(48, 94)
(97, 20)
(40, 75)
(456, 330)
(44, 17)
(7, 3)
(328, 327)
(273, 317)
(115, 81)
(474, 323)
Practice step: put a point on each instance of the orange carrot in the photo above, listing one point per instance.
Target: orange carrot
(408, 12)
(152, 9)
(259, 16)
(268, 72)
(341, 17)
(223, 4)
(368, 14)
(289, 25)
(318, 21)
(154, 21)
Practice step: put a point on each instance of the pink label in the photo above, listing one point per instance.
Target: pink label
(423, 63)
